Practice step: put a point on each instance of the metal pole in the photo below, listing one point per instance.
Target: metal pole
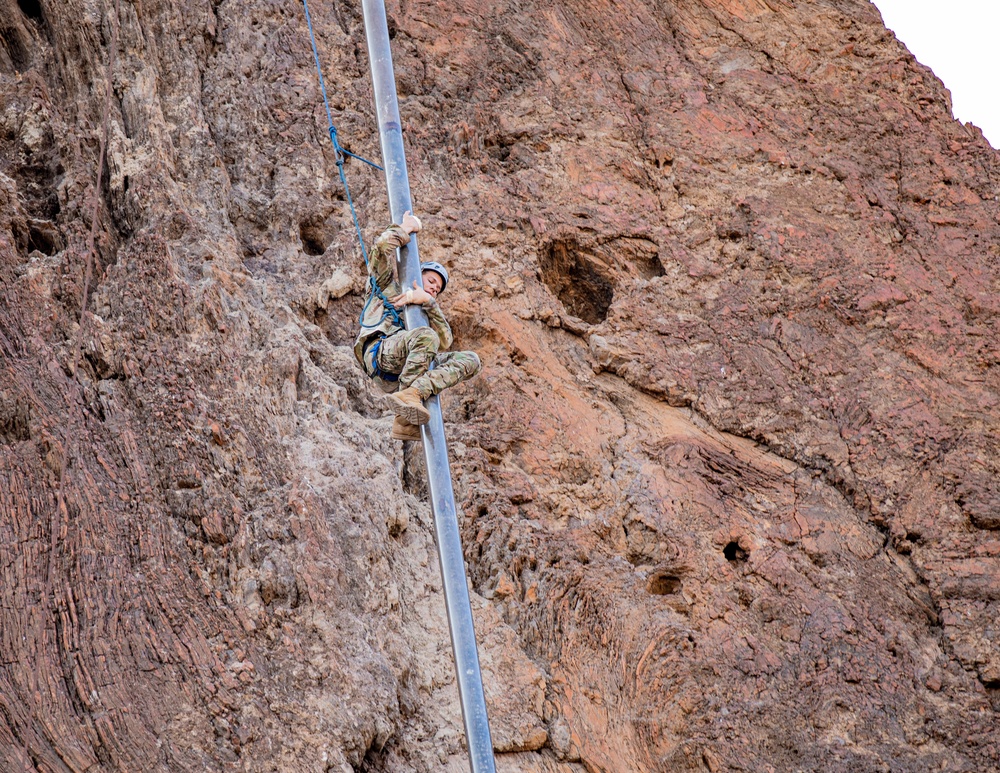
(449, 543)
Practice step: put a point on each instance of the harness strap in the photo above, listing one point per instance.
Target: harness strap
(377, 371)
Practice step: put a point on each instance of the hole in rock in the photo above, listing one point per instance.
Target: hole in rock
(15, 424)
(581, 281)
(44, 238)
(733, 552)
(314, 237)
(378, 757)
(31, 8)
(663, 584)
(993, 693)
(500, 152)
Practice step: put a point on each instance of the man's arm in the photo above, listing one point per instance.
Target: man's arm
(438, 323)
(382, 256)
(435, 317)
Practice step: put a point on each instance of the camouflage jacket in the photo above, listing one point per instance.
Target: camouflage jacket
(382, 266)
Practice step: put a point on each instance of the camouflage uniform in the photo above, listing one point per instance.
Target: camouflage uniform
(407, 352)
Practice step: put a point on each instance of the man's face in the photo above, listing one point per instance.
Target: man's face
(432, 283)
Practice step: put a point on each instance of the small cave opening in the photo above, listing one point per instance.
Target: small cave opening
(15, 424)
(733, 552)
(662, 584)
(314, 236)
(578, 279)
(993, 692)
(44, 237)
(31, 8)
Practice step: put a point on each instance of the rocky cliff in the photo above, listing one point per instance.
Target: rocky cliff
(728, 481)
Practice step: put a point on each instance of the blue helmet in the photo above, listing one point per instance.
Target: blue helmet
(438, 269)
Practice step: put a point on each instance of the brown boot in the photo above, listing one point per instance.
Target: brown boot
(408, 406)
(403, 430)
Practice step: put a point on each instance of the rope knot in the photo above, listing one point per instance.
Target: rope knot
(337, 150)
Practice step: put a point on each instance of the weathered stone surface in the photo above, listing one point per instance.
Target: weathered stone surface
(728, 481)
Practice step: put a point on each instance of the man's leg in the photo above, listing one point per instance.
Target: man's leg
(450, 368)
(409, 353)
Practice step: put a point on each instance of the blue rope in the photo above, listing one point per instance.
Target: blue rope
(341, 152)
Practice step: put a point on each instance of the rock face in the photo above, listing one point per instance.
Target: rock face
(730, 479)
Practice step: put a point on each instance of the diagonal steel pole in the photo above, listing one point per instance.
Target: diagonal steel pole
(456, 589)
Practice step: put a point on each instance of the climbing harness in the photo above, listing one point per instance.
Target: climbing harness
(374, 291)
(376, 370)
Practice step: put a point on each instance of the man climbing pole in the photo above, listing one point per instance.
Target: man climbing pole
(399, 360)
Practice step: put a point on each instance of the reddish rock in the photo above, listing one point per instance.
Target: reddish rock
(728, 480)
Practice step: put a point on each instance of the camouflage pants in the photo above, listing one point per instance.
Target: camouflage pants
(411, 352)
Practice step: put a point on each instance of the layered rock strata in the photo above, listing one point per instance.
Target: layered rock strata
(728, 481)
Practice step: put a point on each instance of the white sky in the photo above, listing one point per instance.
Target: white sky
(957, 39)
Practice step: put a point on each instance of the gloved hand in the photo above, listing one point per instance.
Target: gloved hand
(417, 295)
(411, 223)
